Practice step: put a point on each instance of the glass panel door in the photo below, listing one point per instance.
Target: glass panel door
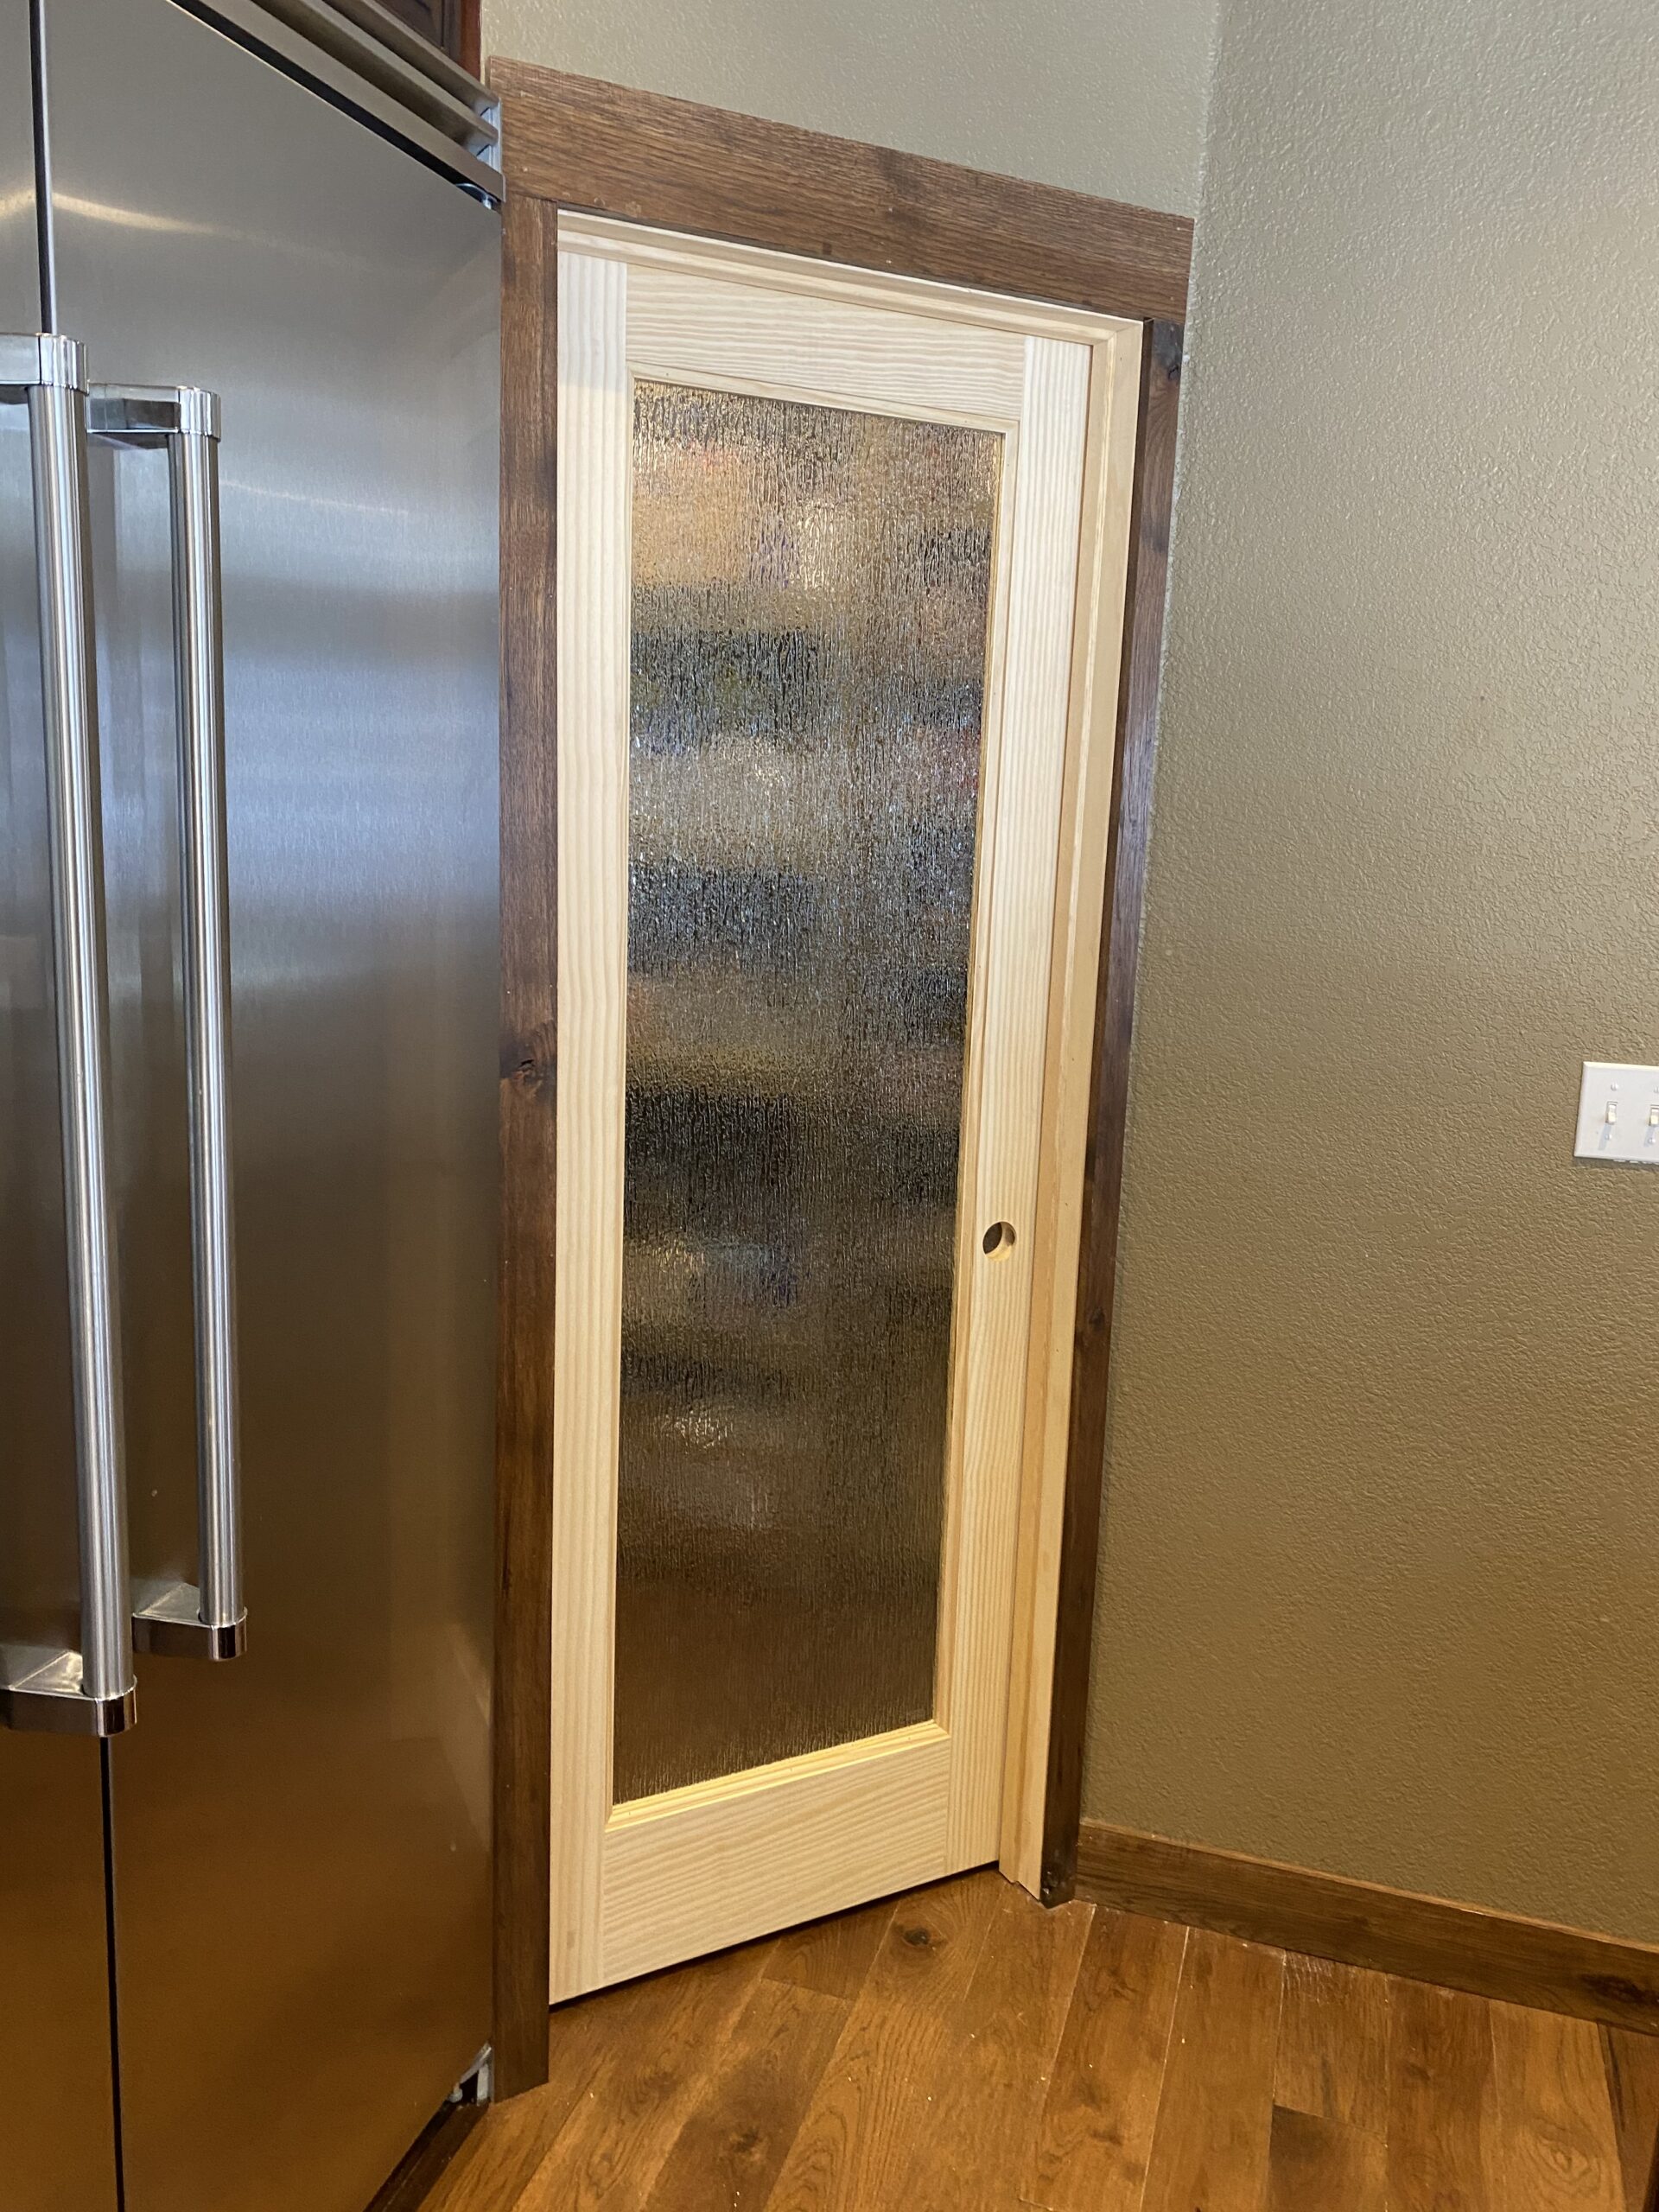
(818, 623)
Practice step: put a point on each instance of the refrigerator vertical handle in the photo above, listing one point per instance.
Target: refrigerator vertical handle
(205, 1619)
(90, 1691)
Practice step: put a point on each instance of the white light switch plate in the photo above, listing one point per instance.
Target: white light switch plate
(1619, 1114)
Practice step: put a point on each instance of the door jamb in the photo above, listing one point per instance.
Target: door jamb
(578, 143)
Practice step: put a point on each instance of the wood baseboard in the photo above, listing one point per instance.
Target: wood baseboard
(1495, 1955)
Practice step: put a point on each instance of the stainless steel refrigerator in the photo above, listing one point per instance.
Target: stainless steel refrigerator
(248, 963)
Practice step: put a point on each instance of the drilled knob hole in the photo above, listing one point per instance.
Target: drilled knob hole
(999, 1237)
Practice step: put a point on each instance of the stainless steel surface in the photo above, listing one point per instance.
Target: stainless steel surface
(56, 2113)
(32, 358)
(452, 137)
(811, 590)
(388, 53)
(44, 1689)
(150, 417)
(206, 1619)
(301, 1839)
(57, 2138)
(477, 2085)
(89, 1691)
(431, 60)
(20, 267)
(168, 1623)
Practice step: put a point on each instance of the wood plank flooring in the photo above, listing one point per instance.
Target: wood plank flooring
(960, 2049)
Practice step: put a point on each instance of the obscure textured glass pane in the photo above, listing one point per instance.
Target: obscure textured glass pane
(810, 596)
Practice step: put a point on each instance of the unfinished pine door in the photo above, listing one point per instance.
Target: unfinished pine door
(833, 550)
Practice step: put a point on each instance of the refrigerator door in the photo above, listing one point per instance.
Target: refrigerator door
(301, 1833)
(56, 2128)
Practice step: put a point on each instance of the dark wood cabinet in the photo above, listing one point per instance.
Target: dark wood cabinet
(451, 24)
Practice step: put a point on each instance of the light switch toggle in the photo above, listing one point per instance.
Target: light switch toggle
(1619, 1114)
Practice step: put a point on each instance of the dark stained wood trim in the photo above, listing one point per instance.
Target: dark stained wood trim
(429, 2157)
(1494, 1954)
(583, 144)
(450, 25)
(1126, 868)
(528, 1090)
(1630, 2064)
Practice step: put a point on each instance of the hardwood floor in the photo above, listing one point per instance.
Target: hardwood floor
(961, 2049)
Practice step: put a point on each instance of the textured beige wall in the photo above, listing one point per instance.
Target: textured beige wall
(1380, 1584)
(1104, 95)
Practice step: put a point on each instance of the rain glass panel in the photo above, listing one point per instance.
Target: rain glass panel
(811, 597)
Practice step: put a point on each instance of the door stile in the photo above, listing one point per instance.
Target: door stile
(1041, 586)
(595, 425)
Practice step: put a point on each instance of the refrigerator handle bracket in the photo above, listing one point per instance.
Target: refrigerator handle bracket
(89, 1691)
(206, 1618)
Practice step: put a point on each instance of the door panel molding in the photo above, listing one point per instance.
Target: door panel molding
(596, 429)
(652, 244)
